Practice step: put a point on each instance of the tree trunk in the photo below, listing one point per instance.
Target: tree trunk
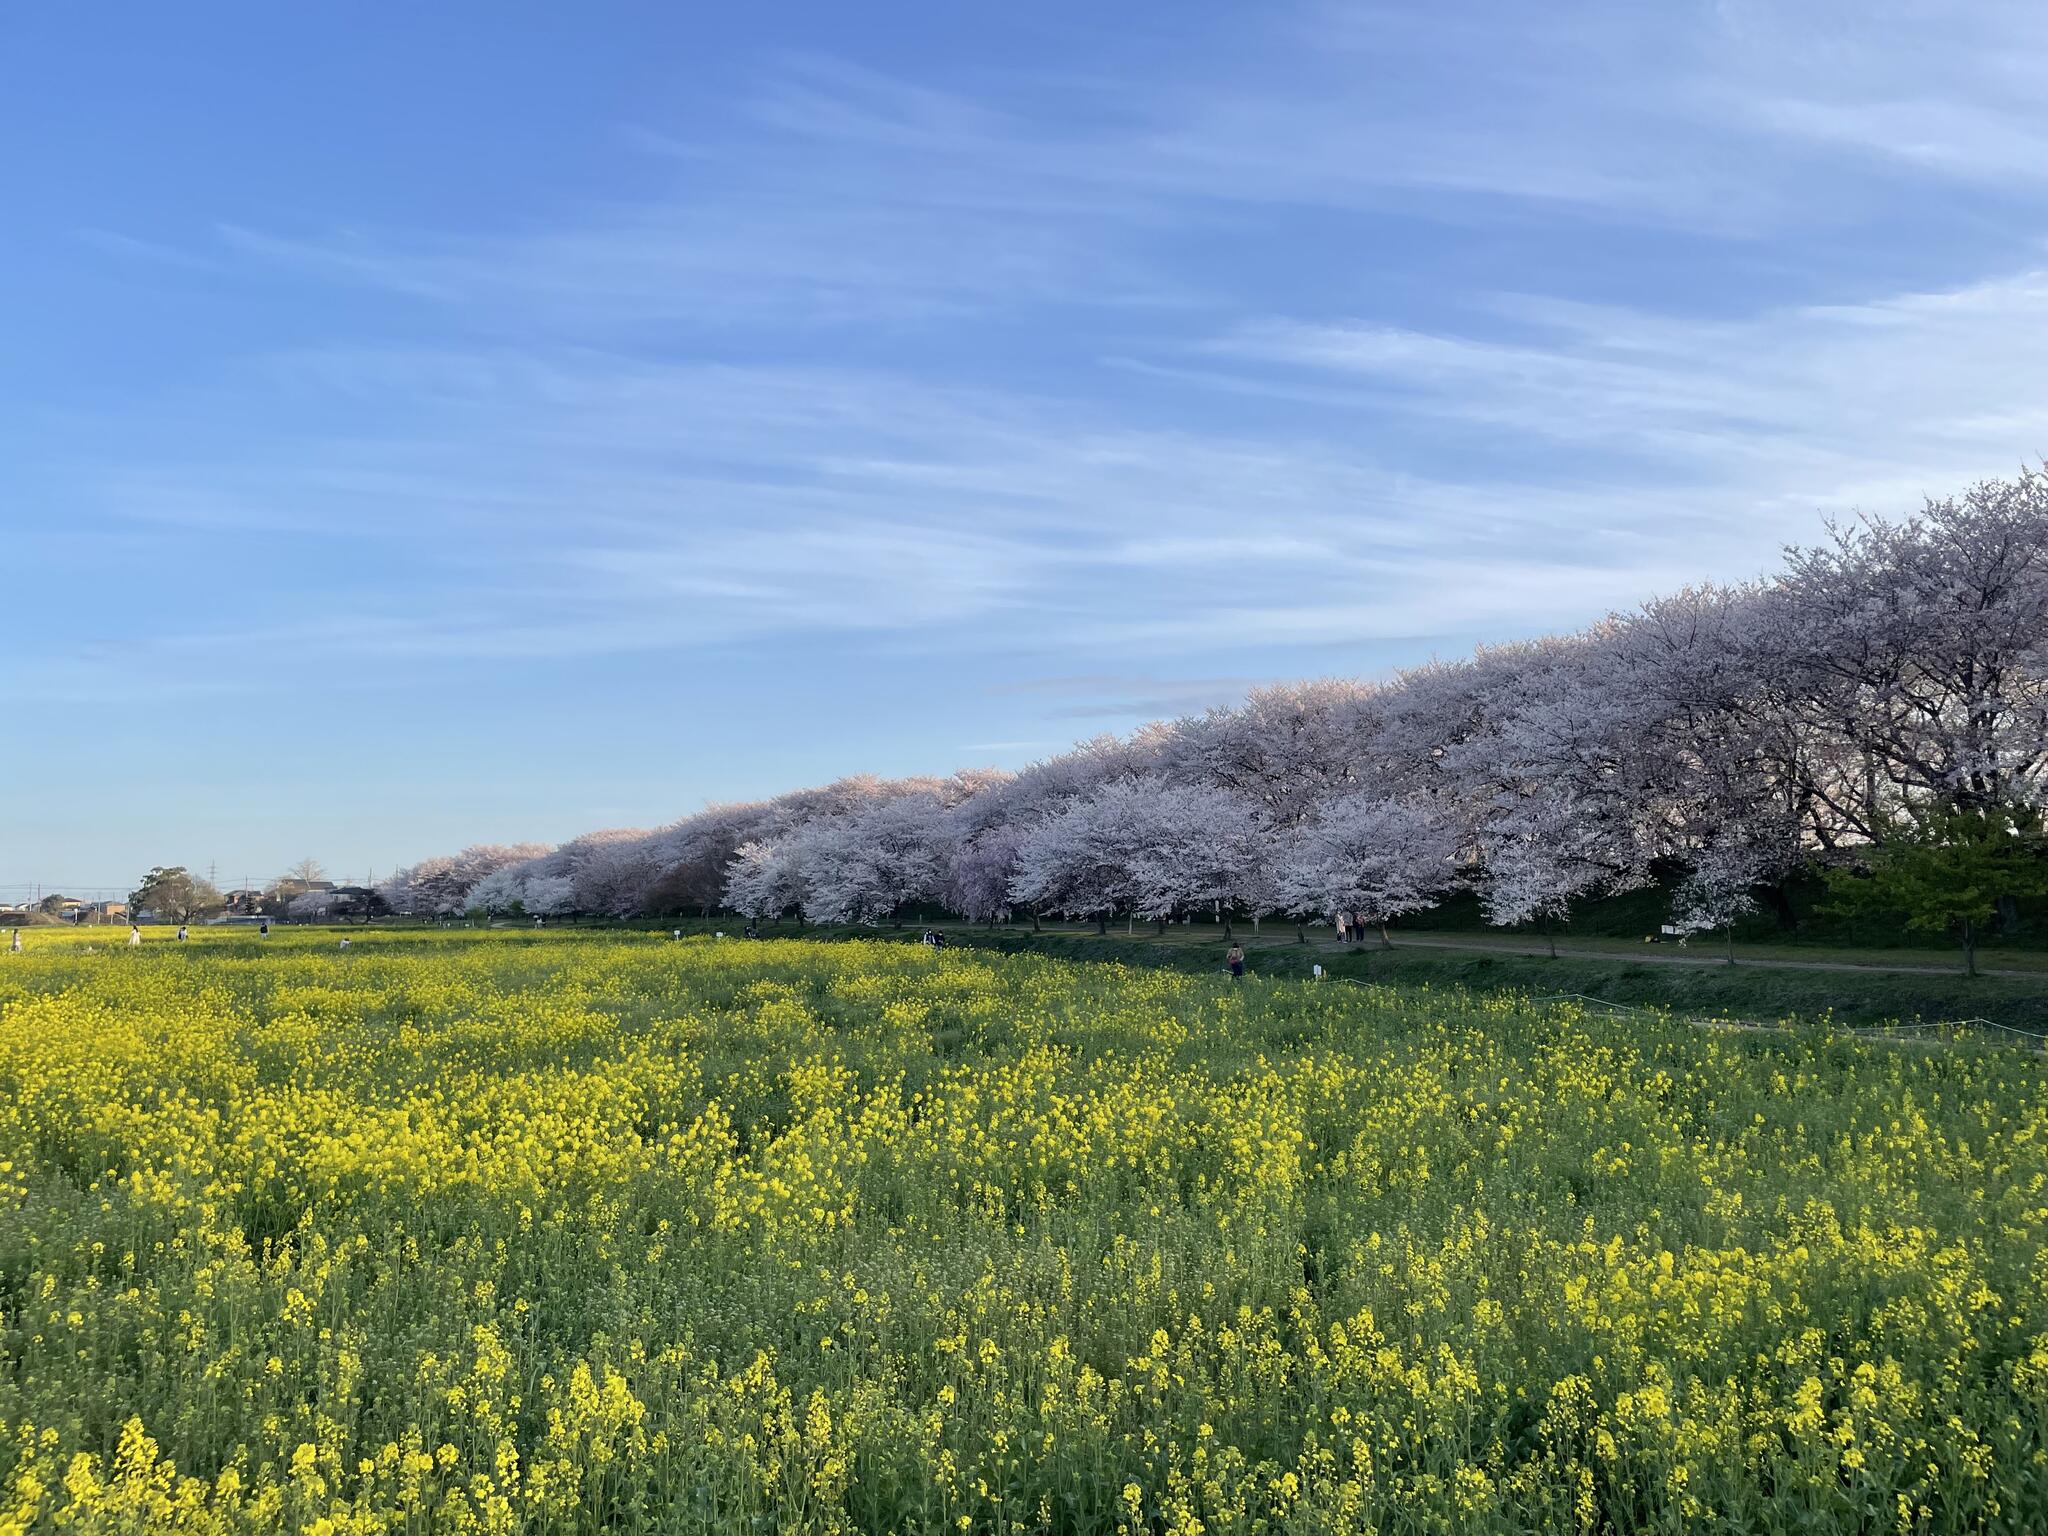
(1301, 933)
(1101, 925)
(1729, 934)
(1034, 921)
(1969, 949)
(1159, 926)
(1385, 941)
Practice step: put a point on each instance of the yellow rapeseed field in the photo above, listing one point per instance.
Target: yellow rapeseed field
(536, 1232)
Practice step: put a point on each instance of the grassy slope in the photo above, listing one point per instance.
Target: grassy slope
(1746, 992)
(1617, 975)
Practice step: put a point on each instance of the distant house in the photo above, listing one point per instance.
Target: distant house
(244, 901)
(110, 912)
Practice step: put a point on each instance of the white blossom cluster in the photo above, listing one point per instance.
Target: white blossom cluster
(1717, 736)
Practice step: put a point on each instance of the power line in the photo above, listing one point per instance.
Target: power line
(36, 890)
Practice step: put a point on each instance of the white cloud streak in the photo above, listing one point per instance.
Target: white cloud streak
(799, 393)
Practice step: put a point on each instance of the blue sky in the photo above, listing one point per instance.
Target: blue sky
(429, 424)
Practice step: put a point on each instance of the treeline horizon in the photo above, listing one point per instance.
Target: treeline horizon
(1884, 688)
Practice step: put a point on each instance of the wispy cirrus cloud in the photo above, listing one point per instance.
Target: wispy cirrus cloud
(844, 194)
(1887, 397)
(948, 356)
(585, 503)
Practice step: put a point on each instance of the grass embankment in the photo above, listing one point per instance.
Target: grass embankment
(1598, 959)
(1857, 998)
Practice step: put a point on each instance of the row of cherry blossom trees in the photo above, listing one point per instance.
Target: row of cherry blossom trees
(1895, 672)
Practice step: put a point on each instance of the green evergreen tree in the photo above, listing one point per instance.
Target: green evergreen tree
(174, 894)
(1949, 874)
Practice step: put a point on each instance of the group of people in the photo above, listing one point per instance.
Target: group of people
(135, 936)
(1351, 927)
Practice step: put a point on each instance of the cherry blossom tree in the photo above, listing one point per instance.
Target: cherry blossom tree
(441, 885)
(1913, 654)
(1720, 888)
(863, 867)
(309, 906)
(764, 880)
(1541, 855)
(686, 862)
(1082, 862)
(1199, 849)
(1284, 749)
(1377, 857)
(980, 871)
(608, 872)
(550, 896)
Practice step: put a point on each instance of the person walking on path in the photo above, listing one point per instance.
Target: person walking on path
(1235, 960)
